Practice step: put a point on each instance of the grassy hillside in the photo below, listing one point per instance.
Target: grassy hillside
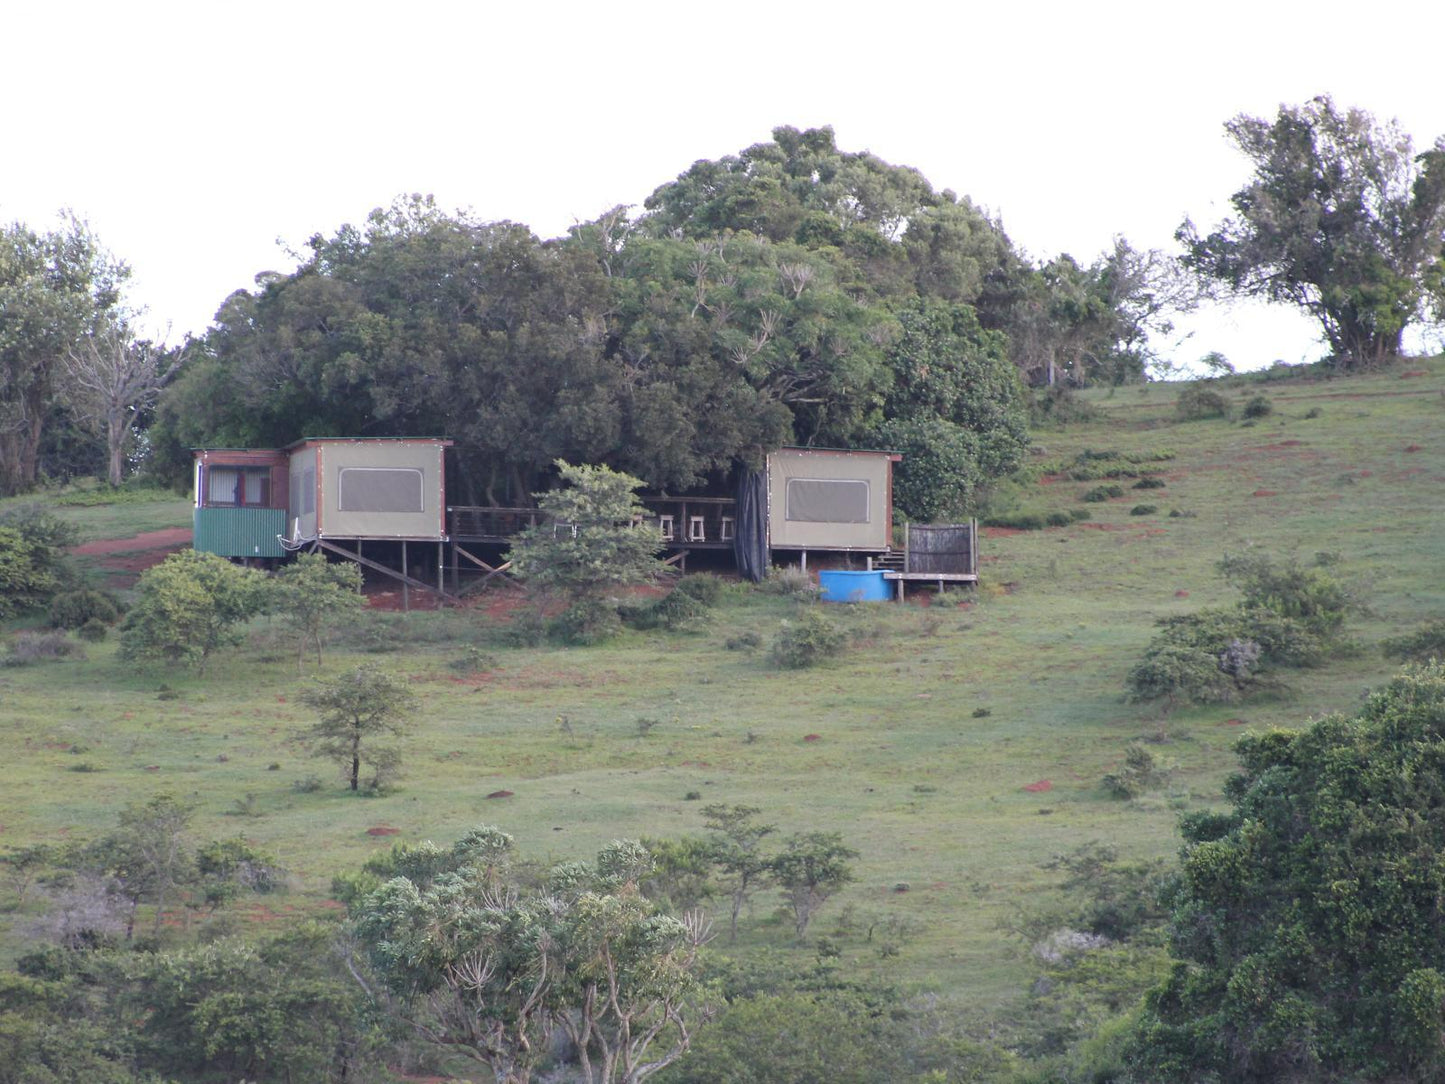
(934, 736)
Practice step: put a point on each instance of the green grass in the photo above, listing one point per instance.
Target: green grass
(926, 786)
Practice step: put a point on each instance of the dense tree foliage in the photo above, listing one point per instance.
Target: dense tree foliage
(54, 288)
(490, 963)
(1307, 919)
(315, 593)
(1341, 220)
(793, 293)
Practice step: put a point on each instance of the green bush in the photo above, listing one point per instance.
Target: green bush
(1150, 483)
(807, 641)
(792, 582)
(1015, 521)
(189, 606)
(1058, 519)
(1079, 515)
(27, 575)
(1197, 402)
(72, 609)
(1100, 494)
(1423, 644)
(705, 588)
(586, 622)
(1257, 407)
(1139, 773)
(93, 631)
(1144, 510)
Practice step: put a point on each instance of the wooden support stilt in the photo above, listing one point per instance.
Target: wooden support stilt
(376, 565)
(405, 585)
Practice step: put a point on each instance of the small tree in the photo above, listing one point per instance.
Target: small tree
(188, 606)
(593, 541)
(812, 867)
(358, 709)
(737, 852)
(316, 593)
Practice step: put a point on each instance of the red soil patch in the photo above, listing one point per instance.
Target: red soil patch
(500, 794)
(129, 557)
(1181, 593)
(812, 737)
(1103, 526)
(173, 538)
(1265, 493)
(1051, 479)
(1367, 474)
(1234, 722)
(381, 830)
(1414, 372)
(1000, 532)
(1412, 448)
(1039, 787)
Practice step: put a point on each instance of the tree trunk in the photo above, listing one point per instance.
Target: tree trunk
(355, 761)
(115, 433)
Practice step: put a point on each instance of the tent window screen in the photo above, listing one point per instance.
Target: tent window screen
(827, 500)
(232, 486)
(380, 489)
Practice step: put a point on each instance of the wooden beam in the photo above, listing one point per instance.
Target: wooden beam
(379, 567)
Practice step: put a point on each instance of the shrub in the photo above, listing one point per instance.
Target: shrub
(1143, 509)
(1099, 494)
(93, 631)
(72, 609)
(1312, 596)
(26, 576)
(1197, 402)
(190, 605)
(743, 641)
(1150, 483)
(807, 641)
(1015, 521)
(1078, 515)
(705, 588)
(587, 621)
(794, 582)
(1313, 412)
(1423, 644)
(1057, 404)
(1058, 519)
(1257, 407)
(1139, 772)
(33, 647)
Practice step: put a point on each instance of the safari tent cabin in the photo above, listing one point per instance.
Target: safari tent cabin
(240, 502)
(823, 499)
(261, 502)
(383, 488)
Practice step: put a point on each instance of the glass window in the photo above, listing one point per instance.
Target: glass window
(827, 500)
(380, 489)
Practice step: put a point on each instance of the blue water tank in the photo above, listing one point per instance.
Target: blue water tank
(853, 586)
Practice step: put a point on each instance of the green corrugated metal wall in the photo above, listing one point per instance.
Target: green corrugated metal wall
(239, 532)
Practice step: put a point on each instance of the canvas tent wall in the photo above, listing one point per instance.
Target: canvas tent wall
(371, 489)
(822, 499)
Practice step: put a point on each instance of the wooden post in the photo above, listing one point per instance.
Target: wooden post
(441, 571)
(405, 587)
(805, 560)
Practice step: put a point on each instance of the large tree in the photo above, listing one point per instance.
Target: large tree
(1341, 219)
(54, 288)
(1307, 922)
(111, 377)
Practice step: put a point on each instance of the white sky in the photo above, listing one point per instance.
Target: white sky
(193, 136)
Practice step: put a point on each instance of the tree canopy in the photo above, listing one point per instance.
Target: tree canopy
(1342, 219)
(1306, 923)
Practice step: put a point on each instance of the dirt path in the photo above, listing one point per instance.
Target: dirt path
(126, 558)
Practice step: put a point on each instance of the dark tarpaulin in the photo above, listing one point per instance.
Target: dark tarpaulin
(750, 540)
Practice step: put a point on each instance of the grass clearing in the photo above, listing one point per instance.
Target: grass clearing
(935, 731)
